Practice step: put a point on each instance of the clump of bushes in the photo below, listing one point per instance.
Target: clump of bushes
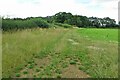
(64, 25)
(30, 66)
(28, 23)
(41, 23)
(14, 24)
(72, 62)
(25, 72)
(37, 70)
(17, 74)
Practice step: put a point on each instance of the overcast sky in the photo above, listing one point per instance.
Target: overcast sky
(34, 8)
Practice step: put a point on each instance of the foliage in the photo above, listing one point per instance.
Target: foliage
(37, 69)
(72, 62)
(17, 74)
(63, 25)
(119, 23)
(40, 22)
(82, 21)
(61, 17)
(25, 72)
(15, 24)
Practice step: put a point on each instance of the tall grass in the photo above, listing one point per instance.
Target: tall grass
(102, 58)
(100, 61)
(20, 46)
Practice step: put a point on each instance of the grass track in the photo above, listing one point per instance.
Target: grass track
(96, 57)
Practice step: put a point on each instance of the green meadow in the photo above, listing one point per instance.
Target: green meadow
(60, 53)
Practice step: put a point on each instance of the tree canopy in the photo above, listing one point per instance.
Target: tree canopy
(61, 19)
(82, 21)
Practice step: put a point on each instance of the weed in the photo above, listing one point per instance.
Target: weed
(41, 66)
(65, 65)
(32, 61)
(17, 74)
(36, 56)
(25, 65)
(82, 68)
(33, 54)
(19, 68)
(72, 62)
(34, 76)
(29, 62)
(25, 72)
(30, 66)
(37, 70)
(36, 64)
(59, 76)
(58, 71)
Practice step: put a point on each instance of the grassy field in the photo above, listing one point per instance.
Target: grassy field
(51, 53)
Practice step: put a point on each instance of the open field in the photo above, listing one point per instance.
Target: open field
(66, 53)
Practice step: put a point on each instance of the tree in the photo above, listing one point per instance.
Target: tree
(49, 19)
(109, 22)
(61, 17)
(85, 21)
(119, 23)
(95, 22)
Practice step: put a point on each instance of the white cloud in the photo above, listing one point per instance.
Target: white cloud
(104, 8)
(119, 11)
(27, 8)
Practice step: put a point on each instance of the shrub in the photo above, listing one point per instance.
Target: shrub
(17, 74)
(72, 62)
(59, 76)
(30, 67)
(25, 72)
(40, 23)
(64, 25)
(12, 24)
(37, 70)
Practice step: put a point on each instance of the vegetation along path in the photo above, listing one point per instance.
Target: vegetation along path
(61, 53)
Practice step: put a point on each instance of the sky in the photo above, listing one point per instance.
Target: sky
(119, 11)
(35, 8)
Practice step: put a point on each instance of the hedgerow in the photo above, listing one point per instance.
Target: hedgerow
(13, 24)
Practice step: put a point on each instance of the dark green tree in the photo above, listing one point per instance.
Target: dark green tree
(62, 17)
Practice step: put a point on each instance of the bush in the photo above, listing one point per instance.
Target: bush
(72, 62)
(9, 24)
(13, 24)
(25, 72)
(40, 23)
(17, 74)
(37, 70)
(64, 25)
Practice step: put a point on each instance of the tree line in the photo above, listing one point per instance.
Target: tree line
(61, 19)
(19, 23)
(82, 21)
